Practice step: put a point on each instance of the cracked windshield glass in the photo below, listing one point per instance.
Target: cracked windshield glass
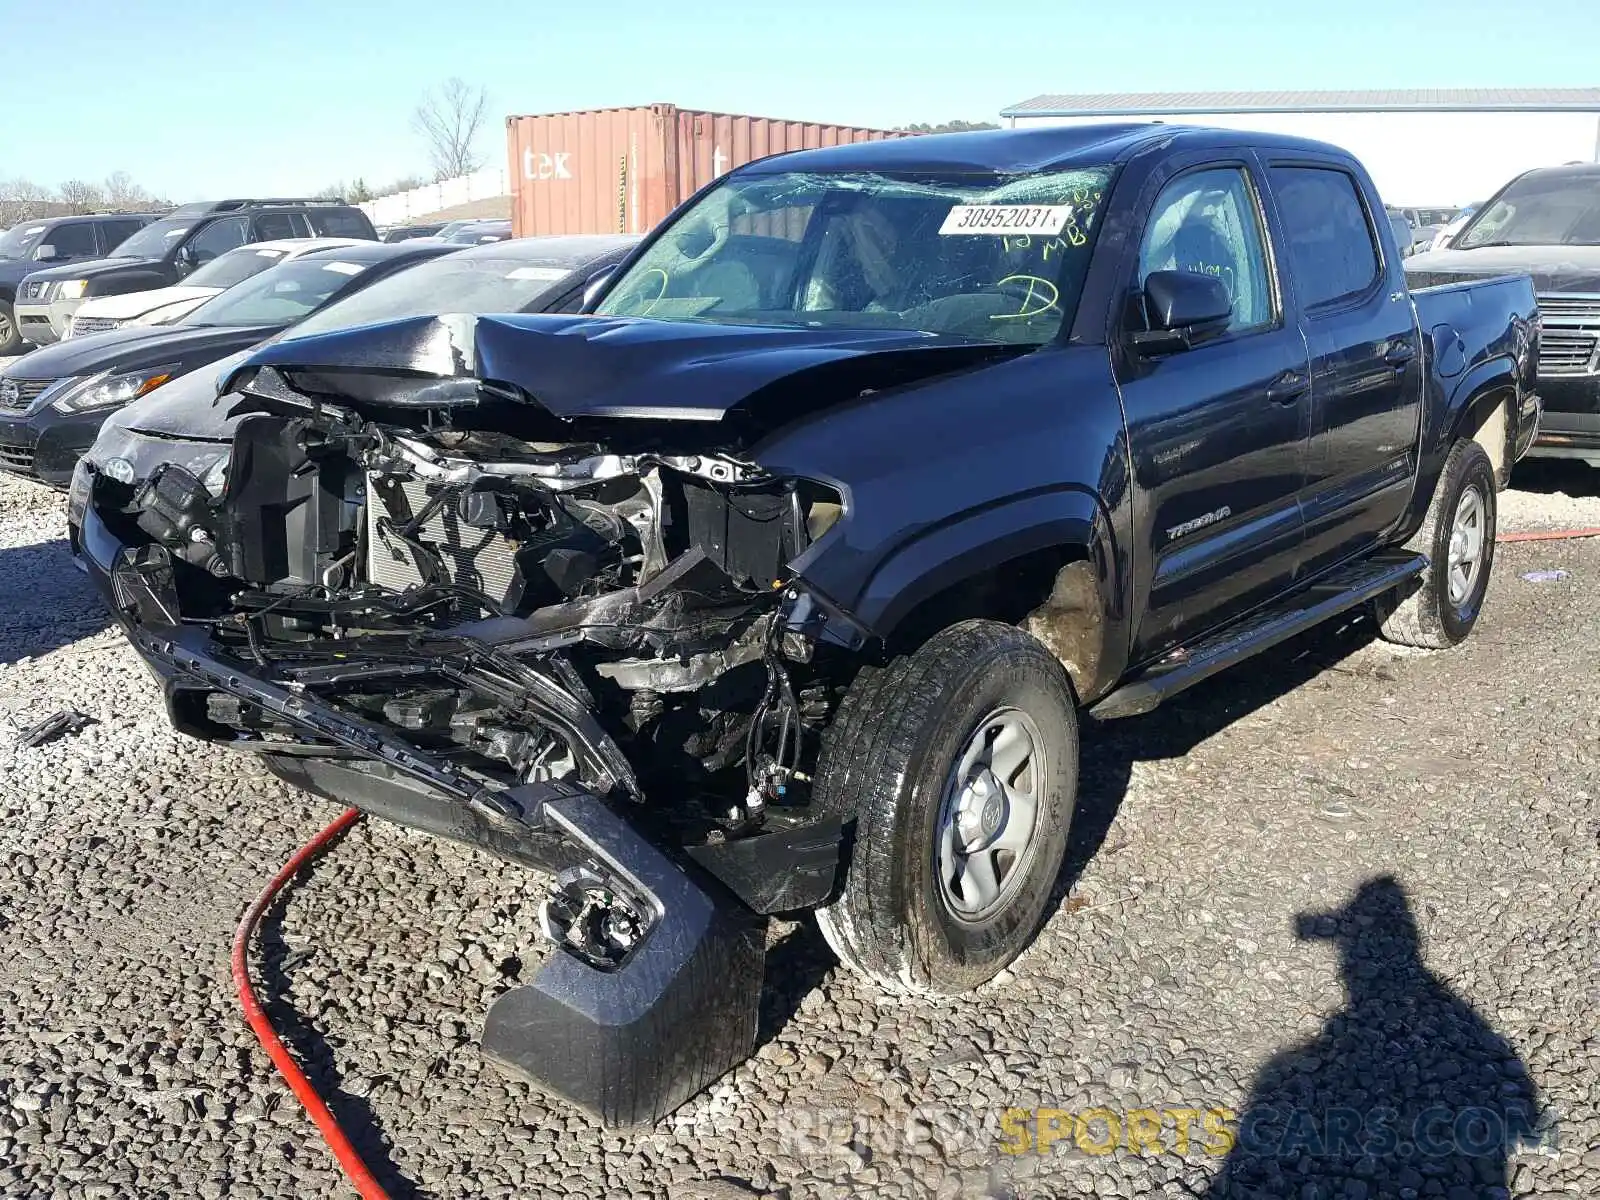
(982, 260)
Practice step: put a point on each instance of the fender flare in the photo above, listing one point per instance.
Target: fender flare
(1468, 404)
(977, 540)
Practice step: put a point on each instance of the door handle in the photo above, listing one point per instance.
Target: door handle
(1288, 388)
(1400, 355)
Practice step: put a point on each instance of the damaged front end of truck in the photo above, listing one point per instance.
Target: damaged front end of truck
(432, 583)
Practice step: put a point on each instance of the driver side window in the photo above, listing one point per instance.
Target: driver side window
(218, 238)
(1208, 222)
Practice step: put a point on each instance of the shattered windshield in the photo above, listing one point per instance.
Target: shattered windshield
(986, 259)
(1540, 209)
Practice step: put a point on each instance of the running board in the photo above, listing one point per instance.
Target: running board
(1331, 595)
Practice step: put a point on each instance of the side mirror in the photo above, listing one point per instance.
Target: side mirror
(186, 260)
(1184, 308)
(45, 253)
(594, 285)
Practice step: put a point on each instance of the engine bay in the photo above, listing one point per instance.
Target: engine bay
(531, 611)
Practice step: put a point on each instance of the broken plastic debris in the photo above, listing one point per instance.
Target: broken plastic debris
(1544, 576)
(58, 725)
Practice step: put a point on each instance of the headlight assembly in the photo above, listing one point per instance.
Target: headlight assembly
(130, 458)
(70, 289)
(110, 390)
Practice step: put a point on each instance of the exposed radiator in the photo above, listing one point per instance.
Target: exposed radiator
(478, 558)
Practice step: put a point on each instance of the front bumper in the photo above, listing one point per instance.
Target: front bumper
(44, 445)
(628, 1044)
(45, 322)
(1570, 425)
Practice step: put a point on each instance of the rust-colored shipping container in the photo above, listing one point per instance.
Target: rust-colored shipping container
(621, 170)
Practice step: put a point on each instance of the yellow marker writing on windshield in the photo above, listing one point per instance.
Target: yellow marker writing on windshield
(1038, 296)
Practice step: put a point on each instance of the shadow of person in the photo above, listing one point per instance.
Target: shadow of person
(1406, 1091)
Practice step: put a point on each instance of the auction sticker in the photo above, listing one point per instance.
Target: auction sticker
(1004, 219)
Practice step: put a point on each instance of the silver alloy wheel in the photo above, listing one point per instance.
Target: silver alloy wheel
(7, 329)
(1465, 559)
(989, 815)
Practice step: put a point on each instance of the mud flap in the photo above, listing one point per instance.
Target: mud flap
(631, 1044)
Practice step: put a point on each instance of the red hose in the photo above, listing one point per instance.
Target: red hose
(349, 1160)
(1549, 535)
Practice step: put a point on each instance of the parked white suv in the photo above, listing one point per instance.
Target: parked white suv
(161, 306)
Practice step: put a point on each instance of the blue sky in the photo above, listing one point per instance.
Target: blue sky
(204, 97)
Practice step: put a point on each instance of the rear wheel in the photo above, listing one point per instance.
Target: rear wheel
(1458, 538)
(959, 764)
(10, 339)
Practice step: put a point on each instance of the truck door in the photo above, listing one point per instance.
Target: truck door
(1366, 369)
(1217, 432)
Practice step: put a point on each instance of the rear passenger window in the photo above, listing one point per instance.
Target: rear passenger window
(272, 227)
(1206, 222)
(1330, 238)
(114, 233)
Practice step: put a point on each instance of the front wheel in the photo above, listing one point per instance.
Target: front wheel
(959, 764)
(1458, 538)
(10, 339)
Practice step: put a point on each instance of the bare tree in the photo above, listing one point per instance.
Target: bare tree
(123, 194)
(82, 197)
(449, 120)
(21, 200)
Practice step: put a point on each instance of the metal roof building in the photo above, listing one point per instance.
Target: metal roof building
(1433, 146)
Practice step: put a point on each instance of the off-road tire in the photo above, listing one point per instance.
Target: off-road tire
(885, 762)
(1427, 618)
(9, 343)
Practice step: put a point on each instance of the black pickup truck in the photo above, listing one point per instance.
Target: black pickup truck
(783, 577)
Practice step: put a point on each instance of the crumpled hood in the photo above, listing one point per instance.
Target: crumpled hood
(1554, 268)
(582, 366)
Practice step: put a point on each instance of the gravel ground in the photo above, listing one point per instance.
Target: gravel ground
(1552, 494)
(1345, 881)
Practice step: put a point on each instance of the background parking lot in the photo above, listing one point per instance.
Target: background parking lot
(1167, 977)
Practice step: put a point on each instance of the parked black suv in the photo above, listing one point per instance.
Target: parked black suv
(167, 250)
(50, 241)
(1544, 223)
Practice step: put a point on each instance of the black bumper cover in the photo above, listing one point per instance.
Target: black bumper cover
(627, 1045)
(1570, 424)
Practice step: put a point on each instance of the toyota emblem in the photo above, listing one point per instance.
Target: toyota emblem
(9, 396)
